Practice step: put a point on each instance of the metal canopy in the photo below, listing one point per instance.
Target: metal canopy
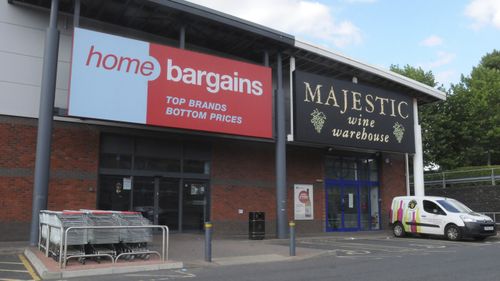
(236, 37)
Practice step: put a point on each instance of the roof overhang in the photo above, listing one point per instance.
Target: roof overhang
(345, 67)
(235, 37)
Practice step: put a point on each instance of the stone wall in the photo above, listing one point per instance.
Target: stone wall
(478, 198)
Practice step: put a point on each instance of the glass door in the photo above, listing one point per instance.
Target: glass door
(168, 202)
(334, 208)
(350, 206)
(157, 198)
(342, 201)
(144, 197)
(194, 204)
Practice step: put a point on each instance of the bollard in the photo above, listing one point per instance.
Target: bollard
(208, 241)
(292, 238)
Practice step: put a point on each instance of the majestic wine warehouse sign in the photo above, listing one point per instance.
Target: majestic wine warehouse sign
(121, 79)
(340, 113)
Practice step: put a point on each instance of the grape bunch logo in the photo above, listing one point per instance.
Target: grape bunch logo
(318, 120)
(399, 131)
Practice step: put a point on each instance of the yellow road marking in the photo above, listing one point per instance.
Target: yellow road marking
(29, 268)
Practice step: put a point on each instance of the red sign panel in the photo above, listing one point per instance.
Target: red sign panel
(158, 85)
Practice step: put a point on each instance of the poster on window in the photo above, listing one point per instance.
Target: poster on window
(303, 200)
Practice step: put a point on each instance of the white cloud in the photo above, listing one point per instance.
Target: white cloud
(484, 13)
(443, 58)
(432, 41)
(446, 77)
(361, 1)
(310, 20)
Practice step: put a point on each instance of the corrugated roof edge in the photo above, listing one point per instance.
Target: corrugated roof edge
(233, 21)
(374, 70)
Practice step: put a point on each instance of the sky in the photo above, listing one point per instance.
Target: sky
(447, 37)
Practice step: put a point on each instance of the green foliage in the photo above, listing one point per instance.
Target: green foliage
(417, 74)
(464, 130)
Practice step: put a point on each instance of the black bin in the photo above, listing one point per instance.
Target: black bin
(256, 225)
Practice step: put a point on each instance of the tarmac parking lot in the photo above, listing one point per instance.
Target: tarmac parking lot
(15, 267)
(388, 247)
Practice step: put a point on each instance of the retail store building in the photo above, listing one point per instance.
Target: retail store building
(189, 115)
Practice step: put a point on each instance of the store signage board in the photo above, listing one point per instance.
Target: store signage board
(303, 202)
(340, 113)
(122, 79)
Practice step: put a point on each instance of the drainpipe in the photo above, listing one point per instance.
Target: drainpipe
(281, 196)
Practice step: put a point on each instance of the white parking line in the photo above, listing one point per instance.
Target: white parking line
(8, 262)
(13, 270)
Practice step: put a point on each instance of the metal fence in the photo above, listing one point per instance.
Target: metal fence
(495, 216)
(490, 175)
(62, 246)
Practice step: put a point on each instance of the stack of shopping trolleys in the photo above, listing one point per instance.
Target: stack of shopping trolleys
(88, 241)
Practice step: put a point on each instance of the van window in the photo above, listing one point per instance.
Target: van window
(454, 206)
(433, 208)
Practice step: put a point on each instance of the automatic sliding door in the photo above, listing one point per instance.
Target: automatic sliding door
(144, 197)
(168, 202)
(194, 204)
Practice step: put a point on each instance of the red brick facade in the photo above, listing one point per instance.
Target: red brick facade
(392, 182)
(74, 164)
(242, 177)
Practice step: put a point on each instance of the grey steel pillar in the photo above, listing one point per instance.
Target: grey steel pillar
(44, 135)
(281, 198)
(182, 37)
(76, 14)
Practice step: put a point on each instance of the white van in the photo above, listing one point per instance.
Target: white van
(438, 216)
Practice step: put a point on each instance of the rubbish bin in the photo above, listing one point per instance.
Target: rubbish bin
(256, 225)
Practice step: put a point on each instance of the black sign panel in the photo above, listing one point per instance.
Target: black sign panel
(341, 113)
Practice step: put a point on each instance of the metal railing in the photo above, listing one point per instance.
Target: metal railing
(63, 243)
(495, 216)
(468, 176)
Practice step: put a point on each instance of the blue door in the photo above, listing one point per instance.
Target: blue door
(351, 205)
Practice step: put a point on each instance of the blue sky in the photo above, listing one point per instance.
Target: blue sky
(447, 37)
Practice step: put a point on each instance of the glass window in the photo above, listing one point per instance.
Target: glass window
(113, 195)
(157, 164)
(115, 161)
(432, 208)
(196, 166)
(454, 206)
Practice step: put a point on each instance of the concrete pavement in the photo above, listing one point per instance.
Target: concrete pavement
(187, 250)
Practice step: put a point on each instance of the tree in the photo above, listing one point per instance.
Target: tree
(431, 119)
(464, 130)
(483, 112)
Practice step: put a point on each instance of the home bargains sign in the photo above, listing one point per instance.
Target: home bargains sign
(121, 79)
(340, 113)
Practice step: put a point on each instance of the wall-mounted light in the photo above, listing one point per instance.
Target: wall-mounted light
(387, 160)
(355, 80)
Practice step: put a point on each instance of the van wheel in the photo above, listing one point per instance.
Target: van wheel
(398, 230)
(452, 233)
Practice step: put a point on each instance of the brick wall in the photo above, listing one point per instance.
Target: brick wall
(243, 177)
(73, 180)
(392, 182)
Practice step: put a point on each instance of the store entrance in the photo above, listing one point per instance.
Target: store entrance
(178, 203)
(352, 194)
(166, 180)
(157, 198)
(351, 206)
